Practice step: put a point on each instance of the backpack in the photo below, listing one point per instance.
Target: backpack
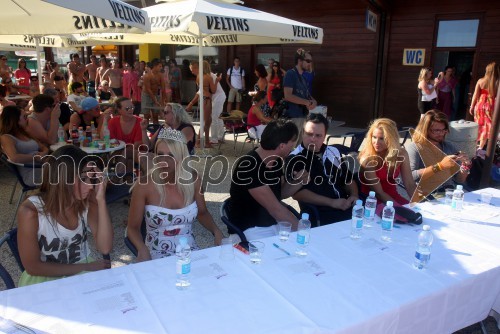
(231, 71)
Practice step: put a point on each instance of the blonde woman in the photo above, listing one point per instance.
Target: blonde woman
(209, 88)
(427, 93)
(53, 225)
(169, 198)
(483, 101)
(382, 161)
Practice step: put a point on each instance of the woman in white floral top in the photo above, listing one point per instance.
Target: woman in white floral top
(168, 206)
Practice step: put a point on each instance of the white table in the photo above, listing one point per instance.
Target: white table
(92, 150)
(342, 286)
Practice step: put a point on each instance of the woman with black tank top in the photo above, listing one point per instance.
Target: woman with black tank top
(177, 118)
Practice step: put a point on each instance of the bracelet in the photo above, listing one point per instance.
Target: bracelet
(436, 168)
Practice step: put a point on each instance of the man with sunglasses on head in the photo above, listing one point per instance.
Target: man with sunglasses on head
(43, 123)
(76, 97)
(428, 138)
(296, 91)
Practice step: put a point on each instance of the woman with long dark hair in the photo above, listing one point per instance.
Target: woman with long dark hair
(18, 145)
(274, 81)
(22, 75)
(53, 225)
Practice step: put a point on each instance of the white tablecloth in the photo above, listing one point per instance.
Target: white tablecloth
(342, 286)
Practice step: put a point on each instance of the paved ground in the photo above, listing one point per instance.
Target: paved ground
(215, 195)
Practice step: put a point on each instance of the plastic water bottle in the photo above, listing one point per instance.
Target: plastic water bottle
(81, 136)
(423, 252)
(183, 264)
(106, 134)
(370, 208)
(95, 137)
(303, 233)
(387, 221)
(357, 220)
(60, 134)
(457, 201)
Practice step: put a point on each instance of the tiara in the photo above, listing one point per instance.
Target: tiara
(172, 134)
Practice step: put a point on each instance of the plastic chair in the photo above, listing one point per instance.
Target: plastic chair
(404, 132)
(129, 243)
(6, 278)
(356, 141)
(250, 138)
(238, 128)
(13, 168)
(231, 228)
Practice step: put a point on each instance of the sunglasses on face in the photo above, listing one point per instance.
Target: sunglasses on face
(308, 61)
(8, 82)
(3, 58)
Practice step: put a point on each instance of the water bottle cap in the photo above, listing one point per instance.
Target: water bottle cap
(305, 216)
(359, 202)
(460, 187)
(183, 241)
(426, 227)
(390, 204)
(371, 194)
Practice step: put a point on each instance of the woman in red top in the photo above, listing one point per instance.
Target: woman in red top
(483, 102)
(125, 127)
(274, 81)
(23, 75)
(382, 161)
(256, 117)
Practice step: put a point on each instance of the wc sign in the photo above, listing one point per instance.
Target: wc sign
(413, 57)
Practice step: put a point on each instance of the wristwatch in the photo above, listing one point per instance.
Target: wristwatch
(436, 168)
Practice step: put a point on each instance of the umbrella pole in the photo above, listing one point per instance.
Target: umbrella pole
(200, 92)
(38, 61)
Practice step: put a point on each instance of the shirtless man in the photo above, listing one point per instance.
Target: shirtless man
(153, 88)
(114, 76)
(5, 70)
(76, 70)
(91, 70)
(100, 71)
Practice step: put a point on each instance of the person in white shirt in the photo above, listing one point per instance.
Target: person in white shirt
(75, 99)
(236, 81)
(218, 98)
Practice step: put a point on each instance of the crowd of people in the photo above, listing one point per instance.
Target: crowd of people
(291, 161)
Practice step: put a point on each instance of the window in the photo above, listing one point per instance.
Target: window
(457, 33)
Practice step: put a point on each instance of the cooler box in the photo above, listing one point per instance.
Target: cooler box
(463, 134)
(319, 110)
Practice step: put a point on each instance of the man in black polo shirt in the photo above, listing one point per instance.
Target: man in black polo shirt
(331, 188)
(258, 185)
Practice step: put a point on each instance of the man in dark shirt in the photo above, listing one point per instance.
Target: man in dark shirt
(332, 188)
(258, 185)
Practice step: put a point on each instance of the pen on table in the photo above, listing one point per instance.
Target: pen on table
(281, 249)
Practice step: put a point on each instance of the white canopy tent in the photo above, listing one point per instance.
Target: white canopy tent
(216, 23)
(208, 51)
(60, 17)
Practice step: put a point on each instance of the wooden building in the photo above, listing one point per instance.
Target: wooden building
(360, 73)
(359, 68)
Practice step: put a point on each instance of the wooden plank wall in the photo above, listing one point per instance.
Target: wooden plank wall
(345, 63)
(413, 25)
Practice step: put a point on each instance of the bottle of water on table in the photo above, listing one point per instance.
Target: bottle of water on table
(60, 134)
(303, 232)
(457, 201)
(370, 207)
(423, 252)
(387, 221)
(183, 264)
(357, 220)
